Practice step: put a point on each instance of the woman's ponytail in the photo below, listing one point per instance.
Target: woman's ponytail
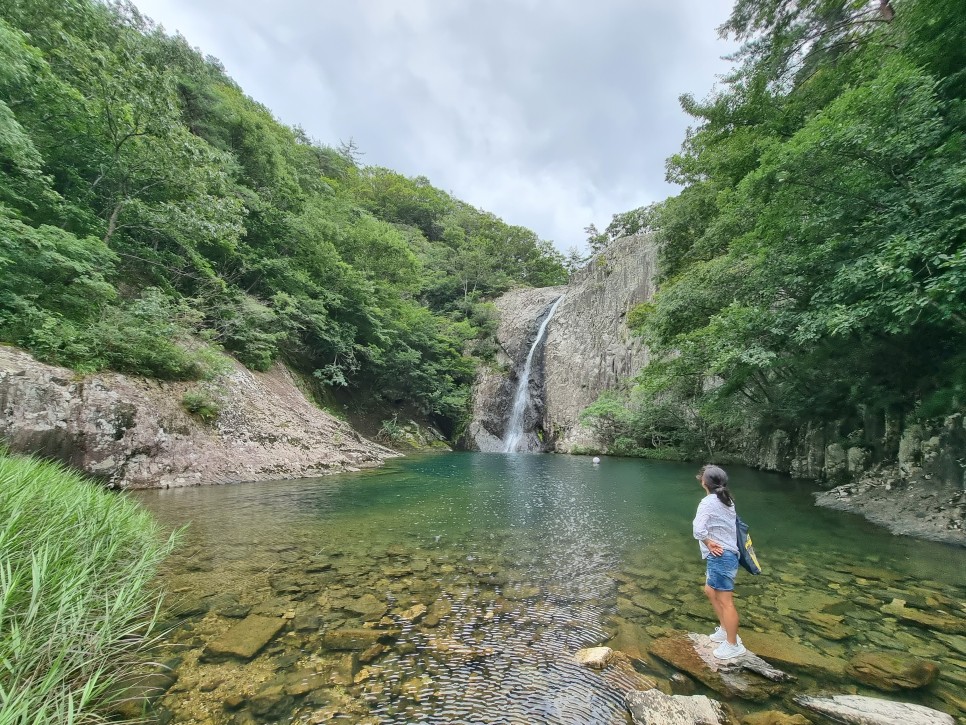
(716, 481)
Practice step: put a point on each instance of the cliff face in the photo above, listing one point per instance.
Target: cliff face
(588, 349)
(134, 432)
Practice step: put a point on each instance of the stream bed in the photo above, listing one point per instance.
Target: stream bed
(456, 588)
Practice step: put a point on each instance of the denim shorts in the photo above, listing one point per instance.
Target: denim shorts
(721, 571)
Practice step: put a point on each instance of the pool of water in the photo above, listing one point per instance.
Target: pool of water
(457, 587)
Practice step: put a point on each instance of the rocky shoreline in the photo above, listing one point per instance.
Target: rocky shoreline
(908, 506)
(133, 432)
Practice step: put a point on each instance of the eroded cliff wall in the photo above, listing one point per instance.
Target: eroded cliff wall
(136, 433)
(588, 348)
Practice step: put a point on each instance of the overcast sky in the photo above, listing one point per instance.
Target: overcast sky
(550, 114)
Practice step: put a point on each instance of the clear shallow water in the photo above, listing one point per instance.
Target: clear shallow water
(520, 560)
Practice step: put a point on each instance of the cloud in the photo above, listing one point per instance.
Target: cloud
(550, 114)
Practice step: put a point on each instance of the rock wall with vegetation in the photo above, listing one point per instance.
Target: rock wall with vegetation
(134, 432)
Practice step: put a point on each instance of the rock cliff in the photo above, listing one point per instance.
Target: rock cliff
(137, 433)
(588, 349)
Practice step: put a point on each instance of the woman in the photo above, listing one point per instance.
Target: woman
(714, 528)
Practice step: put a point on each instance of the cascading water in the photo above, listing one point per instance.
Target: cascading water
(514, 428)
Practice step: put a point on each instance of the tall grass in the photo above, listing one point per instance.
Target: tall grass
(76, 594)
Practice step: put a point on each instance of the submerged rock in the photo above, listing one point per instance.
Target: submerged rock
(774, 717)
(780, 648)
(653, 707)
(367, 606)
(244, 640)
(936, 620)
(891, 671)
(353, 639)
(859, 710)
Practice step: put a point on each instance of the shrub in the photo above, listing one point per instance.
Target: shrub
(391, 432)
(76, 595)
(201, 404)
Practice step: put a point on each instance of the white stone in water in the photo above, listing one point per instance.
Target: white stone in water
(596, 657)
(596, 459)
(860, 710)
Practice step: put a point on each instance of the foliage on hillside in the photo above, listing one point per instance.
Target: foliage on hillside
(147, 204)
(814, 264)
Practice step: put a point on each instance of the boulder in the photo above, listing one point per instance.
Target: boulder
(859, 710)
(244, 640)
(891, 671)
(653, 707)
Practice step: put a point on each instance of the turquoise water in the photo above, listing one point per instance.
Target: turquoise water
(520, 561)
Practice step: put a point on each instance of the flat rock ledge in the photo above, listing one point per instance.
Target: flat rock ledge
(748, 677)
(859, 710)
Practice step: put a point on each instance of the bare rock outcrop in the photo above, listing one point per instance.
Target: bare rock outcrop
(135, 432)
(588, 348)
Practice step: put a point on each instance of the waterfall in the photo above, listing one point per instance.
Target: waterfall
(514, 428)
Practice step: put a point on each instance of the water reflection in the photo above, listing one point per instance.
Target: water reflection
(456, 588)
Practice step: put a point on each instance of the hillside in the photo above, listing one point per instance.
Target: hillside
(152, 215)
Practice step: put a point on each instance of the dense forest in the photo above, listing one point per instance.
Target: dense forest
(813, 266)
(152, 214)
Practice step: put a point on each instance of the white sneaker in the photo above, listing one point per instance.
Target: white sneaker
(729, 651)
(719, 635)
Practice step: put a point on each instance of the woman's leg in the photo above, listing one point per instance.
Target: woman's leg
(712, 596)
(727, 613)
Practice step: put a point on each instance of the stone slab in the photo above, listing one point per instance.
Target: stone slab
(244, 640)
(859, 710)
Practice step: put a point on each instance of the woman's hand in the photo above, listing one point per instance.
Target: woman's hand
(714, 547)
